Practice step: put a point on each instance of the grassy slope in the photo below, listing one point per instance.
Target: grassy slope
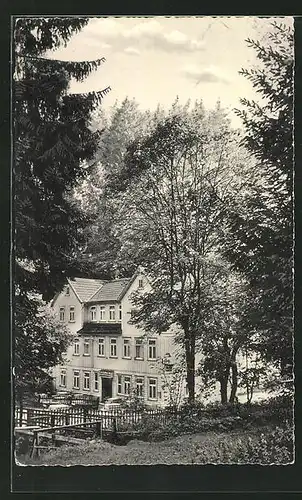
(187, 449)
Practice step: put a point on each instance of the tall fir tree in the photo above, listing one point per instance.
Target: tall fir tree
(52, 137)
(261, 242)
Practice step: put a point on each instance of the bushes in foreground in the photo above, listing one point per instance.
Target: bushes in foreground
(217, 418)
(240, 447)
(273, 447)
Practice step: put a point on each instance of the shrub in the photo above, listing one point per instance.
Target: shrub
(22, 445)
(274, 447)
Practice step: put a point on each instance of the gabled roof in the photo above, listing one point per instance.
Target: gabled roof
(112, 290)
(84, 288)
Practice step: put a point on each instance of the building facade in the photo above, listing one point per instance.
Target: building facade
(108, 356)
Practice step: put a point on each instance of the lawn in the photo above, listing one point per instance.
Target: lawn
(268, 445)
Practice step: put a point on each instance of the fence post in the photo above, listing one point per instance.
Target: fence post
(33, 444)
(85, 413)
(52, 420)
(114, 426)
(37, 445)
(98, 428)
(20, 416)
(53, 437)
(29, 417)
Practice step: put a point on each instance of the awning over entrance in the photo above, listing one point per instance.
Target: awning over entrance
(101, 329)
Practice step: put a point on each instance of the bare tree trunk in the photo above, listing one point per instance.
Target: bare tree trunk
(190, 362)
(224, 390)
(234, 382)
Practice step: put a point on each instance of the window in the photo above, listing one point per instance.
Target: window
(101, 349)
(140, 283)
(67, 291)
(119, 384)
(139, 354)
(113, 352)
(96, 381)
(76, 347)
(139, 386)
(120, 313)
(63, 378)
(127, 353)
(127, 384)
(92, 313)
(62, 313)
(112, 313)
(86, 351)
(86, 384)
(102, 313)
(151, 349)
(152, 388)
(71, 314)
(76, 379)
(123, 384)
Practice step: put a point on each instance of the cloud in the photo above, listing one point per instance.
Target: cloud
(132, 51)
(148, 34)
(103, 28)
(176, 40)
(147, 29)
(210, 74)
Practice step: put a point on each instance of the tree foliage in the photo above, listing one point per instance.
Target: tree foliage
(124, 124)
(40, 341)
(178, 181)
(52, 138)
(261, 222)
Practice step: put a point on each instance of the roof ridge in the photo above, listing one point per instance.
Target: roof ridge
(74, 290)
(77, 280)
(96, 292)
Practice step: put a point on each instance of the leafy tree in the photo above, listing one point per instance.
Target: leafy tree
(97, 194)
(40, 341)
(224, 334)
(261, 221)
(52, 138)
(173, 378)
(178, 182)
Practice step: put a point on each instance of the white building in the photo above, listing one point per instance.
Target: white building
(109, 356)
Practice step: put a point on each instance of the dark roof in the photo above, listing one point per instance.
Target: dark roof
(84, 288)
(111, 291)
(101, 328)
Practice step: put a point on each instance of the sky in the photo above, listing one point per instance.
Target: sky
(155, 59)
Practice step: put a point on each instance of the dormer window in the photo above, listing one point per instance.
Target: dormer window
(140, 283)
(92, 313)
(67, 291)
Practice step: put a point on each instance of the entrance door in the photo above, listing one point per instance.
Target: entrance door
(106, 388)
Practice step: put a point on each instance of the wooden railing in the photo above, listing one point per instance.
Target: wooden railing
(41, 417)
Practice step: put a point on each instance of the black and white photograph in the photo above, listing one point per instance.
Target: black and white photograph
(153, 247)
